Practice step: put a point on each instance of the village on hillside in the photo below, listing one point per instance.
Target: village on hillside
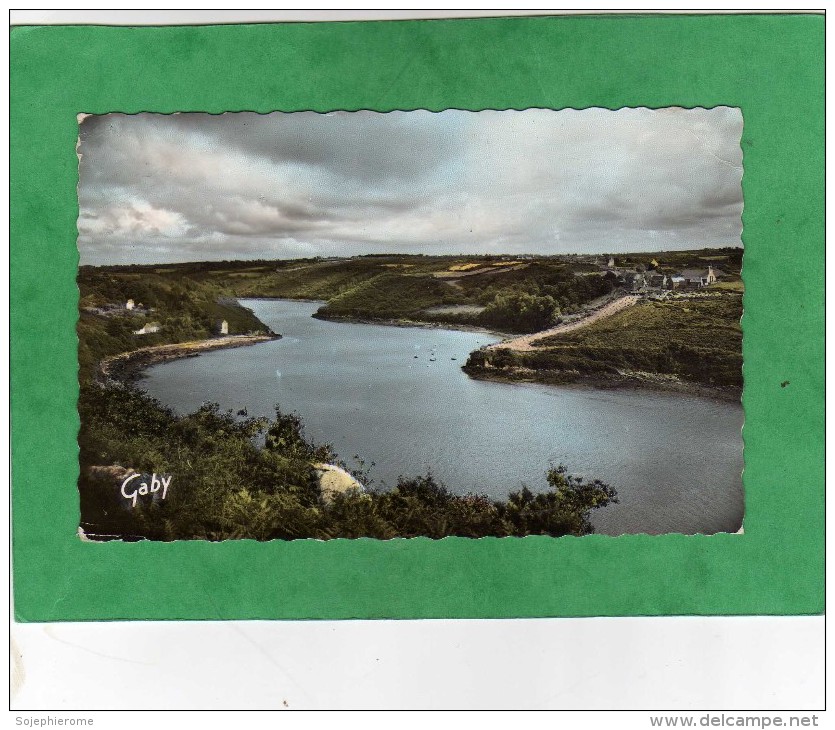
(652, 278)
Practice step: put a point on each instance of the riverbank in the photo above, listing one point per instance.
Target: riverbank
(127, 366)
(686, 345)
(409, 323)
(400, 322)
(279, 299)
(626, 380)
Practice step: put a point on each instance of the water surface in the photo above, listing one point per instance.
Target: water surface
(397, 396)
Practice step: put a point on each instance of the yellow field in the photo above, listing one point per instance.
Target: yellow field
(728, 286)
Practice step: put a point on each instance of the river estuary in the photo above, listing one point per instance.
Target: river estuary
(397, 396)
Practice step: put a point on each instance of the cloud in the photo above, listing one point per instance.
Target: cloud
(160, 188)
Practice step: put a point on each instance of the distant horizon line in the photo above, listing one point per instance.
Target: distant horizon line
(425, 255)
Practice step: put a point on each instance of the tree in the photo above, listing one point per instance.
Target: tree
(521, 312)
(565, 510)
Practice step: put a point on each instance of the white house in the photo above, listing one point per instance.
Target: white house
(698, 277)
(129, 304)
(148, 329)
(224, 327)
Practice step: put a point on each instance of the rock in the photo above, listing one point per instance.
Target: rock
(335, 480)
(112, 475)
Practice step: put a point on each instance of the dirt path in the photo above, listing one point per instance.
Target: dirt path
(525, 342)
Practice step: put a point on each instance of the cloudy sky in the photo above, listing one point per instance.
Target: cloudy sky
(188, 187)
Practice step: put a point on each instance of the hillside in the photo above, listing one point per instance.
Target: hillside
(694, 340)
(183, 309)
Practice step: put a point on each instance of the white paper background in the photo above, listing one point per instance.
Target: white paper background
(666, 663)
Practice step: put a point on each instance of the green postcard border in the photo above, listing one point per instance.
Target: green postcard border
(771, 66)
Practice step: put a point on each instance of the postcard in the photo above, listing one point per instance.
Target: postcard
(487, 318)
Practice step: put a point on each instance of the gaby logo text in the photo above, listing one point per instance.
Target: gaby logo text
(140, 485)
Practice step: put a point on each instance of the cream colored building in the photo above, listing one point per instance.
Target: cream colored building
(148, 329)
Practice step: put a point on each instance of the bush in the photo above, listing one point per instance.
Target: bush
(520, 312)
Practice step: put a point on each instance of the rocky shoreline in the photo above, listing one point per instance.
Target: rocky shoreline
(127, 366)
(621, 381)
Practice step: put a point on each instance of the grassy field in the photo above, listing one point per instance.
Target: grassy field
(734, 286)
(304, 281)
(393, 296)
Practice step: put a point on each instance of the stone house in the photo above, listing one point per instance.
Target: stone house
(657, 281)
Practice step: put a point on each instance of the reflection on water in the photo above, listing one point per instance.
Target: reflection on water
(397, 396)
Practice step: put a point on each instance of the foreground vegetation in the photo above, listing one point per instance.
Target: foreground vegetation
(224, 485)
